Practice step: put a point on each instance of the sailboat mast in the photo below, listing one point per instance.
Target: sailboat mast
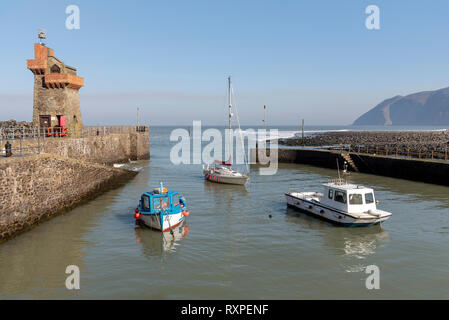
(230, 115)
(229, 100)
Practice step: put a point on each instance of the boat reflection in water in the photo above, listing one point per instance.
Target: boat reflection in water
(155, 243)
(353, 246)
(225, 194)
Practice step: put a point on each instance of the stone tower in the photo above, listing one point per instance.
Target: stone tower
(56, 86)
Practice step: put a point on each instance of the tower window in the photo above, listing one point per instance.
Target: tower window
(55, 69)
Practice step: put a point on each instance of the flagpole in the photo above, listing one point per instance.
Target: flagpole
(265, 123)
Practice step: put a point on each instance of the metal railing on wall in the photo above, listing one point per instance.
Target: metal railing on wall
(29, 140)
(89, 131)
(428, 153)
(22, 133)
(22, 141)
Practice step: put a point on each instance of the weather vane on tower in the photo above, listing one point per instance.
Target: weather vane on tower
(42, 35)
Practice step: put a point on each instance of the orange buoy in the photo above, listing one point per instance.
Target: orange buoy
(185, 213)
(137, 215)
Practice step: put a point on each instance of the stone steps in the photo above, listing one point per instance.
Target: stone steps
(350, 162)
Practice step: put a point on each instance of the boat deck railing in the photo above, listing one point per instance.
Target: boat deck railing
(338, 181)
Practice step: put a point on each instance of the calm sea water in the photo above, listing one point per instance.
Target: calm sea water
(230, 248)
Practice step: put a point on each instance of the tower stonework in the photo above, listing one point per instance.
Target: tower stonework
(56, 98)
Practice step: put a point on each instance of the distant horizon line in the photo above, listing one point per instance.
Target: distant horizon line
(292, 125)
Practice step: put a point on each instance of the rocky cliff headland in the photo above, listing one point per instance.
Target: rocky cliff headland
(427, 108)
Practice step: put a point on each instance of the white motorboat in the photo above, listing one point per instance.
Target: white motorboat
(341, 203)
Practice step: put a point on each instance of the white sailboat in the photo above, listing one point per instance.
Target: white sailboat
(222, 171)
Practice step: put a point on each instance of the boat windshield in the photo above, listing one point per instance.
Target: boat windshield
(175, 199)
(369, 198)
(161, 203)
(355, 199)
(165, 202)
(156, 203)
(146, 202)
(340, 196)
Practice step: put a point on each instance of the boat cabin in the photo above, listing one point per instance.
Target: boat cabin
(348, 197)
(155, 201)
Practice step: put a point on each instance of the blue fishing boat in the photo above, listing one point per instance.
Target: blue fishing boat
(161, 209)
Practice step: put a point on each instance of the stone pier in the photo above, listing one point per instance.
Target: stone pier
(37, 187)
(429, 171)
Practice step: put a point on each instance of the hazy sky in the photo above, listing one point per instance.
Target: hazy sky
(303, 59)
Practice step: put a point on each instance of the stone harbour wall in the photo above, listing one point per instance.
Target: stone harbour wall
(34, 188)
(429, 171)
(104, 149)
(108, 149)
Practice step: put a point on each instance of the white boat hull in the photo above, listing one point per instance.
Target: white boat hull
(169, 221)
(226, 179)
(314, 208)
